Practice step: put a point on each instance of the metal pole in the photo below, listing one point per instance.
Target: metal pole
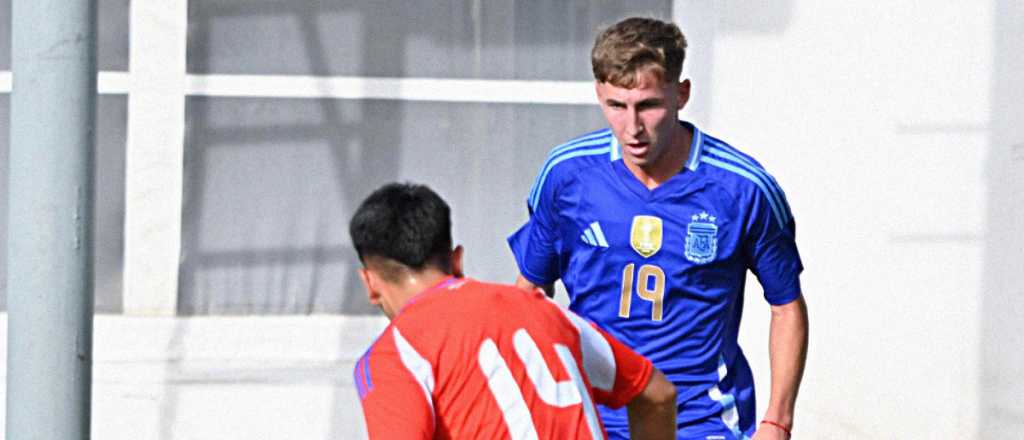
(49, 288)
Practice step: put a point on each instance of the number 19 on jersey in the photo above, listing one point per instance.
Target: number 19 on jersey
(650, 286)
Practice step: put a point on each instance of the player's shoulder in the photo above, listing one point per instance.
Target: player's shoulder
(738, 171)
(458, 300)
(513, 300)
(584, 147)
(473, 307)
(382, 344)
(742, 176)
(584, 151)
(382, 352)
(498, 293)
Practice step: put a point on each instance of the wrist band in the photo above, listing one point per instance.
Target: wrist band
(778, 425)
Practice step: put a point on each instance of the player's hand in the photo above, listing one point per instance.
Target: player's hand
(769, 432)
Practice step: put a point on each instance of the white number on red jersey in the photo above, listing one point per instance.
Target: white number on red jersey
(558, 394)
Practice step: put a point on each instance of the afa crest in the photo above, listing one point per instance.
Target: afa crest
(701, 238)
(645, 236)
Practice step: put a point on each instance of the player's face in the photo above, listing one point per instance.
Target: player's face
(643, 118)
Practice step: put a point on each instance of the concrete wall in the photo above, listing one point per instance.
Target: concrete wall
(1002, 303)
(889, 126)
(895, 130)
(225, 377)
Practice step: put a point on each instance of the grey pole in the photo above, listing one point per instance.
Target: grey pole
(49, 246)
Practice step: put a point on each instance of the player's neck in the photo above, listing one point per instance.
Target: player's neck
(657, 173)
(414, 283)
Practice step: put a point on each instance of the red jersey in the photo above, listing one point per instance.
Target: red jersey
(472, 360)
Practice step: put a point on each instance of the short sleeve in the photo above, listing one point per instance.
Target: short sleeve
(535, 252)
(616, 373)
(536, 244)
(770, 246)
(394, 402)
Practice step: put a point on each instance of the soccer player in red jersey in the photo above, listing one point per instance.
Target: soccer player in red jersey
(473, 360)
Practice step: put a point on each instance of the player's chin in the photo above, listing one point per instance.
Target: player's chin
(637, 161)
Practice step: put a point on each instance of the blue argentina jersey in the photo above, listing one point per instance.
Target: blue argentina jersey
(664, 270)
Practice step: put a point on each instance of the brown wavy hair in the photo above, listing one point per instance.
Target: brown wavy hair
(638, 44)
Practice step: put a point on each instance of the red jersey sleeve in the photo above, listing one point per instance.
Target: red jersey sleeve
(616, 373)
(632, 372)
(395, 384)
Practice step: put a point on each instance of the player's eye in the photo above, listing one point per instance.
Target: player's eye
(647, 105)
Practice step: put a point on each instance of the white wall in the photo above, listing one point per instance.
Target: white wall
(221, 378)
(1003, 289)
(895, 130)
(875, 119)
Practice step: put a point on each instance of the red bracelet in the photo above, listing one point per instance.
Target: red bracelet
(778, 425)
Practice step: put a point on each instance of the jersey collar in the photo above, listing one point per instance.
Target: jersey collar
(449, 282)
(696, 144)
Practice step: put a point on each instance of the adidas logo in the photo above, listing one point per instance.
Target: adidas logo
(594, 236)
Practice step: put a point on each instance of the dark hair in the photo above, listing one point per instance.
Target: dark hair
(636, 44)
(406, 223)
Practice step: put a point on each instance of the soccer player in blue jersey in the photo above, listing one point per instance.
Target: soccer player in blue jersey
(652, 225)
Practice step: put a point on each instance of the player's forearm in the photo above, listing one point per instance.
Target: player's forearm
(652, 414)
(788, 354)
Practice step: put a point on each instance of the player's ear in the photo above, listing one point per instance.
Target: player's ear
(457, 261)
(683, 91)
(370, 281)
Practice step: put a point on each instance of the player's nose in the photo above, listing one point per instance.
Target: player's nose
(634, 127)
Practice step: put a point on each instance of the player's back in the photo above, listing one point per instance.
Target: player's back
(495, 361)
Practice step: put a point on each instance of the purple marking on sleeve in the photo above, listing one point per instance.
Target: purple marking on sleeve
(361, 386)
(366, 371)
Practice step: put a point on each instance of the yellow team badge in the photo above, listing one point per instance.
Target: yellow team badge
(645, 236)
